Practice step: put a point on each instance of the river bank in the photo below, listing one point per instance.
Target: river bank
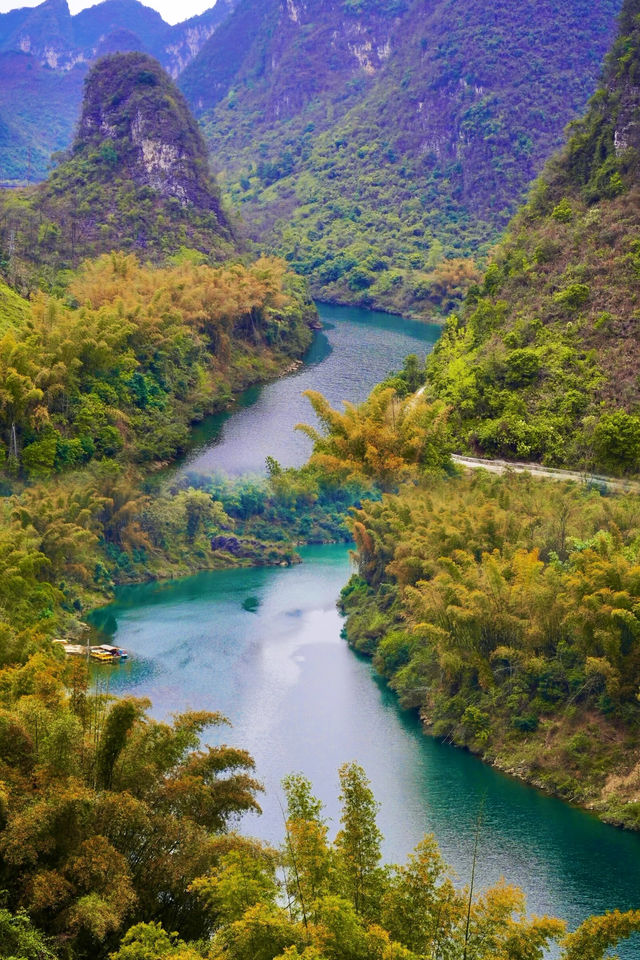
(501, 609)
(300, 699)
(225, 463)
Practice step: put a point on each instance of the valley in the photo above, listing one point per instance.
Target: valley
(320, 395)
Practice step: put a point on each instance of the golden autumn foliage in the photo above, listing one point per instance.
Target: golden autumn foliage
(107, 815)
(506, 610)
(386, 439)
(311, 910)
(133, 354)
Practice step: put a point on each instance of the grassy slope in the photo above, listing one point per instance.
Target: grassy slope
(13, 309)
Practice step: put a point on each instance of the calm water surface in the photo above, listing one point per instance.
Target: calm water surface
(355, 350)
(299, 699)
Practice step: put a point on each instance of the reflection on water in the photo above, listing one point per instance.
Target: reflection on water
(300, 700)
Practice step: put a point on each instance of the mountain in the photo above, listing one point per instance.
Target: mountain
(92, 27)
(136, 179)
(182, 42)
(280, 54)
(45, 32)
(45, 54)
(38, 109)
(384, 145)
(59, 40)
(544, 362)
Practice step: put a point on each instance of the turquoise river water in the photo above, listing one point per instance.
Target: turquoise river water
(299, 699)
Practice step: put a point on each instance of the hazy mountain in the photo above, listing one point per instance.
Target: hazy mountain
(45, 54)
(382, 144)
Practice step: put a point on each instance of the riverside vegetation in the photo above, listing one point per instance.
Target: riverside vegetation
(110, 819)
(505, 610)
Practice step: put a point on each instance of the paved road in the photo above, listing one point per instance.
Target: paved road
(502, 466)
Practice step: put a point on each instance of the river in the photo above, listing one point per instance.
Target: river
(299, 699)
(355, 350)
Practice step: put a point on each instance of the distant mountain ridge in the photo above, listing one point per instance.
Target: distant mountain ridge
(45, 53)
(59, 40)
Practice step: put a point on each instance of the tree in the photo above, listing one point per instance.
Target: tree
(20, 940)
(306, 854)
(149, 941)
(593, 937)
(358, 842)
(420, 907)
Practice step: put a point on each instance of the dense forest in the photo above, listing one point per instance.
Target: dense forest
(382, 147)
(111, 821)
(542, 363)
(504, 610)
(128, 356)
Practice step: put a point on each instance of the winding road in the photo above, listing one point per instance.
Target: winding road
(614, 484)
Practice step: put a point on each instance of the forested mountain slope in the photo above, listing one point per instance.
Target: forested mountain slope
(544, 362)
(38, 111)
(137, 179)
(383, 144)
(45, 53)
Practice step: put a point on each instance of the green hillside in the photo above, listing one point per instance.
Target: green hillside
(383, 147)
(136, 179)
(543, 361)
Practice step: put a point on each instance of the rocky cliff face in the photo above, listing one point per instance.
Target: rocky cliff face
(131, 108)
(182, 43)
(137, 178)
(47, 34)
(290, 51)
(40, 100)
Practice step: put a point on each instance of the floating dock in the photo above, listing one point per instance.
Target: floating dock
(104, 653)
